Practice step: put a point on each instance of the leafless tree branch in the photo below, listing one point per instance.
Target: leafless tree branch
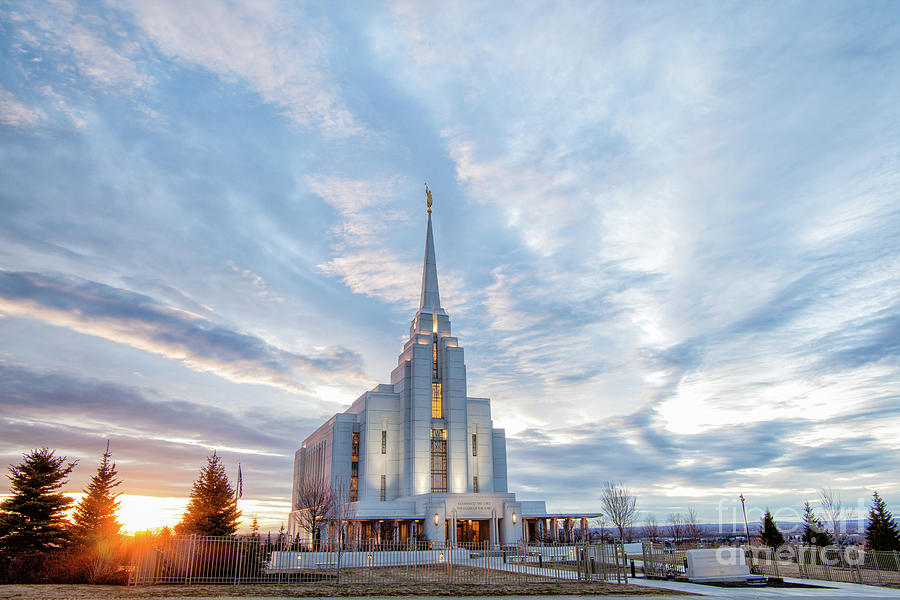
(831, 506)
(651, 529)
(619, 505)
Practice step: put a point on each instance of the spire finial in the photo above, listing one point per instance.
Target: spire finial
(428, 200)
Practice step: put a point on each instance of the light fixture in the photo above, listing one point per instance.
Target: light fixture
(514, 518)
(436, 518)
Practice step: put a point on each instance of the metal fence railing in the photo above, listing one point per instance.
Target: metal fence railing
(663, 562)
(189, 560)
(849, 564)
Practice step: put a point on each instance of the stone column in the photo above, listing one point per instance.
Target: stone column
(493, 537)
(554, 529)
(453, 538)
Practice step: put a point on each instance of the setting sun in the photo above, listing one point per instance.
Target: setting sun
(139, 513)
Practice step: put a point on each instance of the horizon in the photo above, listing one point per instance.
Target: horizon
(665, 236)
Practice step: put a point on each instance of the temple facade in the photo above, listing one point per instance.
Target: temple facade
(418, 458)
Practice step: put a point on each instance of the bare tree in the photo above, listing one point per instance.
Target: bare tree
(676, 527)
(831, 506)
(619, 505)
(339, 515)
(651, 529)
(315, 501)
(692, 530)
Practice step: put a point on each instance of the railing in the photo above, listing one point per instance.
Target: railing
(663, 562)
(190, 560)
(850, 564)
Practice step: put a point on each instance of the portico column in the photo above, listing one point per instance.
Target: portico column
(494, 534)
(584, 530)
(554, 529)
(453, 539)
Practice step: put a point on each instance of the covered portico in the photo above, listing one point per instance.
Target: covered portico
(545, 528)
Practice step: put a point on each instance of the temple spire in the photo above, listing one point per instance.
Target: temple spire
(431, 297)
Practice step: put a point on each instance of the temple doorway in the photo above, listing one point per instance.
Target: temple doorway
(469, 531)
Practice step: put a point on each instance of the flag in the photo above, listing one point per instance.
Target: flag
(239, 489)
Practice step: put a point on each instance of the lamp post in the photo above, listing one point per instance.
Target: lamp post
(747, 529)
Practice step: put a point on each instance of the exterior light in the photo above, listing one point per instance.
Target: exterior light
(514, 518)
(436, 518)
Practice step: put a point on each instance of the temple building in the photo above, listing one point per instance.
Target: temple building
(419, 457)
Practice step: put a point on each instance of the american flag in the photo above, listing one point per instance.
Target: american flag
(239, 489)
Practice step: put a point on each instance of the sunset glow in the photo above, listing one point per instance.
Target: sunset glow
(140, 513)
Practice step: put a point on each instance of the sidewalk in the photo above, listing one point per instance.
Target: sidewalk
(829, 589)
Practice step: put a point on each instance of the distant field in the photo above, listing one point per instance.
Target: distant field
(103, 592)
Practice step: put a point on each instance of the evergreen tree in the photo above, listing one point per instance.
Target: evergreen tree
(95, 516)
(881, 530)
(814, 532)
(33, 518)
(212, 509)
(769, 533)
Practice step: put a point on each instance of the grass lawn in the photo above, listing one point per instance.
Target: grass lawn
(322, 590)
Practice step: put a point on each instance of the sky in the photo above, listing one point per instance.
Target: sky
(666, 235)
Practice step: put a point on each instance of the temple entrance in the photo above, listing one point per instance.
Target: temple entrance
(469, 531)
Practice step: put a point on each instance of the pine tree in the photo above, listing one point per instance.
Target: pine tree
(769, 533)
(881, 530)
(33, 518)
(212, 509)
(254, 528)
(814, 532)
(95, 516)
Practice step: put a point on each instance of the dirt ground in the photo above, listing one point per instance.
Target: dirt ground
(105, 592)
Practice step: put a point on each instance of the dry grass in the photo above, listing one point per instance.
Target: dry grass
(319, 590)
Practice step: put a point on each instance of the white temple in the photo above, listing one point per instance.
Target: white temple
(422, 459)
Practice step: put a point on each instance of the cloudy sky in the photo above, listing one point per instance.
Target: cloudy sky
(668, 236)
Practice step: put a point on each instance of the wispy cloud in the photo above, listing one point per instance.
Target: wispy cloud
(140, 321)
(676, 225)
(101, 55)
(281, 56)
(364, 257)
(16, 113)
(150, 431)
